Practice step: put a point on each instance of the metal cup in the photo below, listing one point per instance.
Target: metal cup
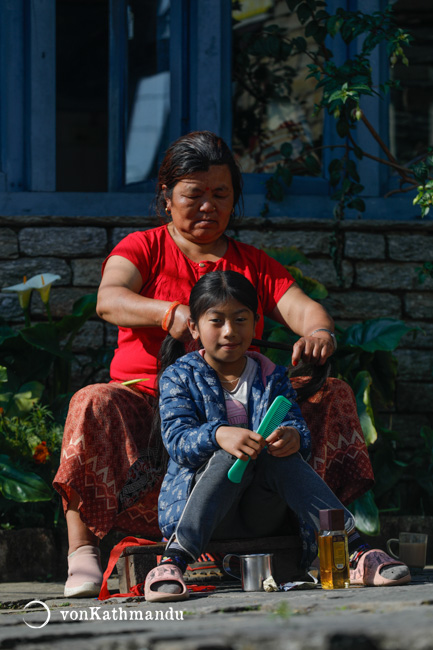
(255, 568)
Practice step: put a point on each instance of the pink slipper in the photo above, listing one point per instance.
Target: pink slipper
(84, 573)
(366, 570)
(164, 573)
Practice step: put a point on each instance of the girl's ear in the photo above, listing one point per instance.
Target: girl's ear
(193, 329)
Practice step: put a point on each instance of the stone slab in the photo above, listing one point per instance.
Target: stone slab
(380, 618)
(64, 242)
(8, 244)
(364, 246)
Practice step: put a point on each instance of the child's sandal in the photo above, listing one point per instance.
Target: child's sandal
(365, 569)
(164, 573)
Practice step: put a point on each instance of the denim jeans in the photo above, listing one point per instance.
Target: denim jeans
(258, 506)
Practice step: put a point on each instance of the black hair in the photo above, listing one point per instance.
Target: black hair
(195, 152)
(218, 288)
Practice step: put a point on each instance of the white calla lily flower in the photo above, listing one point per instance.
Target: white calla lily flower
(24, 291)
(42, 283)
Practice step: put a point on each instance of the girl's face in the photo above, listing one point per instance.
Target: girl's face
(225, 331)
(201, 204)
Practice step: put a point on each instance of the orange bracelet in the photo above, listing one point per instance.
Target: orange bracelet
(173, 306)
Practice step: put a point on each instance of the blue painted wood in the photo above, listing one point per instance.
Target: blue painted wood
(117, 85)
(201, 36)
(304, 185)
(374, 176)
(108, 204)
(210, 67)
(179, 67)
(41, 117)
(12, 95)
(330, 135)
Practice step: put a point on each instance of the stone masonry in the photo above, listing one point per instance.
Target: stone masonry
(380, 268)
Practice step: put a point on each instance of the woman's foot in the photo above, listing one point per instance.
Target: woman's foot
(374, 568)
(84, 573)
(165, 583)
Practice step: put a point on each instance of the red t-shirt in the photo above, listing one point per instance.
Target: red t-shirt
(168, 274)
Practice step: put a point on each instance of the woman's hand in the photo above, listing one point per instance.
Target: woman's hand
(240, 442)
(312, 349)
(305, 316)
(284, 441)
(178, 323)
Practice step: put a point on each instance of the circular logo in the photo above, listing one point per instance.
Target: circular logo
(38, 602)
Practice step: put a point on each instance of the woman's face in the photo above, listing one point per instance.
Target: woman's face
(201, 204)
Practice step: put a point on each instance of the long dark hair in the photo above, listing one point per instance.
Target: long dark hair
(195, 152)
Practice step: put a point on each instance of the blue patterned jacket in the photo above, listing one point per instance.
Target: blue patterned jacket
(192, 407)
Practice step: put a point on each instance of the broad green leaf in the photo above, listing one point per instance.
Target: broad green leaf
(357, 204)
(313, 288)
(287, 255)
(342, 128)
(7, 332)
(383, 368)
(44, 337)
(24, 400)
(376, 334)
(83, 309)
(281, 335)
(361, 388)
(304, 13)
(21, 486)
(386, 471)
(3, 375)
(286, 150)
(366, 514)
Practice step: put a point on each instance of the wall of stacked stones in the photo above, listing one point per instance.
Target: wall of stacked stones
(380, 268)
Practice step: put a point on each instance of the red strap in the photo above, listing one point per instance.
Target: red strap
(201, 587)
(116, 552)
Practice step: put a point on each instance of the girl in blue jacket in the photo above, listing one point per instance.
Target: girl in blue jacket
(211, 404)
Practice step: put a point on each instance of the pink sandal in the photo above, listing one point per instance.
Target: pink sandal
(164, 573)
(365, 570)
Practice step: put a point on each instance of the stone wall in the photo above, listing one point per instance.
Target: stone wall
(380, 270)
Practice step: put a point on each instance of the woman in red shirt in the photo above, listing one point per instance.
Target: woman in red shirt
(109, 474)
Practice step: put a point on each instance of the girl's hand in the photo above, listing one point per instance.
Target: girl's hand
(240, 442)
(284, 441)
(312, 349)
(178, 323)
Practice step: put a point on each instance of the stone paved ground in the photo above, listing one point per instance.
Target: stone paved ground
(381, 618)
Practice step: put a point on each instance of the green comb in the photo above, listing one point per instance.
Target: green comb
(273, 418)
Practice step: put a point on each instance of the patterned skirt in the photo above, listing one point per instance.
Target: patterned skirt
(109, 459)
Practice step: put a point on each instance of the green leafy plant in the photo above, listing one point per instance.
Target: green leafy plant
(365, 361)
(29, 456)
(404, 480)
(36, 367)
(289, 256)
(262, 70)
(39, 360)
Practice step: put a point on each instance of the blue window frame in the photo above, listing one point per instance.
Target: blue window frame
(200, 90)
